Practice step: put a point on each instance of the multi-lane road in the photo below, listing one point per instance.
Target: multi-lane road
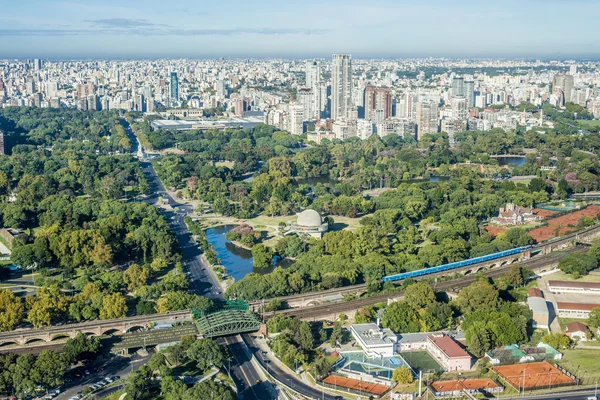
(203, 281)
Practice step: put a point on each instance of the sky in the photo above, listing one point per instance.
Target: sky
(82, 29)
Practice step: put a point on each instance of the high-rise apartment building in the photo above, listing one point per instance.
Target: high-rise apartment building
(378, 103)
(459, 108)
(296, 119)
(427, 118)
(458, 86)
(341, 86)
(37, 64)
(221, 89)
(174, 87)
(313, 74)
(2, 150)
(406, 106)
(470, 93)
(565, 83)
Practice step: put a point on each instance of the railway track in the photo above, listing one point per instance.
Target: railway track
(339, 307)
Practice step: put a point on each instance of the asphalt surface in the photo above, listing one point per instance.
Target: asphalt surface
(282, 376)
(118, 366)
(204, 282)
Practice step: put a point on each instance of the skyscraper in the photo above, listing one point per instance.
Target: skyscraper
(37, 64)
(341, 86)
(470, 93)
(174, 87)
(378, 103)
(313, 74)
(565, 83)
(458, 86)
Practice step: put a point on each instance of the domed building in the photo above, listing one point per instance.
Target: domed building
(309, 222)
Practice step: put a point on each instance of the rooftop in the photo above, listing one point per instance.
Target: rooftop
(449, 346)
(535, 292)
(574, 284)
(538, 305)
(576, 327)
(564, 305)
(372, 335)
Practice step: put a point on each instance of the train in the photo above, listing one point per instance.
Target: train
(457, 264)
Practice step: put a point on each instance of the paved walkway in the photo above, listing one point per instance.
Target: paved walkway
(551, 301)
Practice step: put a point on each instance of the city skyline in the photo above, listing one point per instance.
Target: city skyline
(151, 29)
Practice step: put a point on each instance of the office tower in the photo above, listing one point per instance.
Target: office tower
(341, 86)
(459, 108)
(93, 103)
(313, 74)
(174, 87)
(2, 143)
(295, 119)
(458, 86)
(37, 64)
(85, 89)
(427, 118)
(147, 91)
(378, 103)
(470, 93)
(565, 83)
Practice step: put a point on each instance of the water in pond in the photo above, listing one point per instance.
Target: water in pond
(236, 260)
(432, 178)
(507, 160)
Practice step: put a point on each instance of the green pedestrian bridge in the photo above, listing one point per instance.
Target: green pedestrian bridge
(226, 318)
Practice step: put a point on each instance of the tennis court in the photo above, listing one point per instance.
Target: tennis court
(354, 384)
(533, 375)
(421, 361)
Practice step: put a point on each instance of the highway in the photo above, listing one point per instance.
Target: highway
(204, 282)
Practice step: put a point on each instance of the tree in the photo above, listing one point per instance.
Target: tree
(401, 318)
(594, 318)
(402, 375)
(262, 256)
(206, 353)
(557, 340)
(135, 277)
(138, 383)
(419, 295)
(514, 277)
(49, 369)
(337, 336)
(480, 295)
(11, 310)
(479, 342)
(82, 347)
(113, 306)
(321, 366)
(306, 339)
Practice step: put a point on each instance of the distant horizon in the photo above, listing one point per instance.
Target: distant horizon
(566, 59)
(133, 29)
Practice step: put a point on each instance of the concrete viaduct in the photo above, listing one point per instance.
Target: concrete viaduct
(23, 337)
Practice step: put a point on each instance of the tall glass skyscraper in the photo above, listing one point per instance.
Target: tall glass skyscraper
(174, 86)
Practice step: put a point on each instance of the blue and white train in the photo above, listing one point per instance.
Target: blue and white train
(457, 264)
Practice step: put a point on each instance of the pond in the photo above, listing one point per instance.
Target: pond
(432, 178)
(511, 160)
(237, 260)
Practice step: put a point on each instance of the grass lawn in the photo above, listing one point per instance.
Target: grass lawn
(561, 276)
(564, 321)
(537, 335)
(589, 124)
(583, 363)
(117, 395)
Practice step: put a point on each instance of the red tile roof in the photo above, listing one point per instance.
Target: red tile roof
(576, 327)
(535, 292)
(564, 305)
(574, 284)
(448, 346)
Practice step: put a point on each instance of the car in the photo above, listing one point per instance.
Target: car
(258, 381)
(86, 372)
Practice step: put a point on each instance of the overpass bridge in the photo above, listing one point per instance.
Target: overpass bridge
(218, 325)
(223, 319)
